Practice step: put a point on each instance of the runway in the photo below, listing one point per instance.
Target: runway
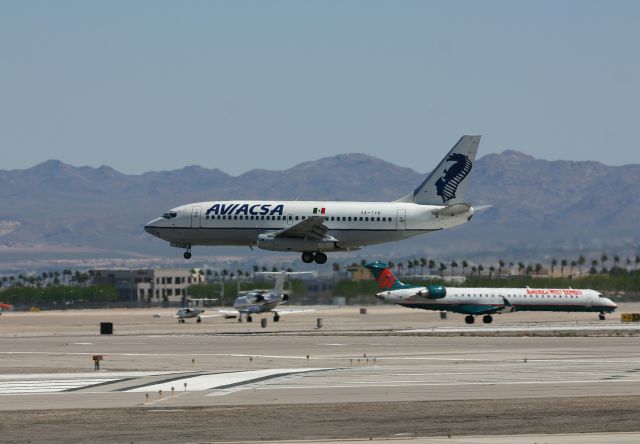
(356, 368)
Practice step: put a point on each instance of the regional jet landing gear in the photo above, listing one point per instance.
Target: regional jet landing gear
(276, 317)
(198, 320)
(487, 319)
(187, 254)
(319, 257)
(601, 316)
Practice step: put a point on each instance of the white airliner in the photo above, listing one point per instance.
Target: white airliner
(314, 227)
(486, 301)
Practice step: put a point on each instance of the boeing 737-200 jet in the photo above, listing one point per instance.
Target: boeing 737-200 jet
(315, 227)
(486, 301)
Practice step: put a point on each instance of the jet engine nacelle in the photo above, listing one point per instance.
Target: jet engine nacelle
(267, 242)
(434, 292)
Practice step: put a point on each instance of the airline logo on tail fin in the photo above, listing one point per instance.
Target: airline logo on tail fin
(386, 279)
(448, 182)
(384, 276)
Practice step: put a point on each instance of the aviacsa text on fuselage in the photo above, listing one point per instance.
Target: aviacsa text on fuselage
(316, 227)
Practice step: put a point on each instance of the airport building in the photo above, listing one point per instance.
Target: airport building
(167, 285)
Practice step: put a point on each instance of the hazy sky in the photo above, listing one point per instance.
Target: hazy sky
(153, 85)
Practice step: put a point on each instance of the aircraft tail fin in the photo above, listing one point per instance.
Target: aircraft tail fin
(447, 183)
(385, 277)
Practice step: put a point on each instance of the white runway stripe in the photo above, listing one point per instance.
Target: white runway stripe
(52, 383)
(213, 381)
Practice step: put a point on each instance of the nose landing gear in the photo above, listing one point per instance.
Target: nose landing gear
(601, 316)
(187, 254)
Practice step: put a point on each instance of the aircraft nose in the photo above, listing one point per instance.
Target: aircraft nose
(151, 227)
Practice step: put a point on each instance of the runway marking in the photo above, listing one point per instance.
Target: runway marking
(221, 381)
(61, 382)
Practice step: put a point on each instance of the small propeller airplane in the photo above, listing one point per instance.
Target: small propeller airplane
(192, 310)
(264, 301)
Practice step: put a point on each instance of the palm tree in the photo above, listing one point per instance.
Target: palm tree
(637, 260)
(442, 268)
(391, 264)
(501, 264)
(410, 266)
(423, 263)
(520, 268)
(225, 273)
(603, 260)
(474, 269)
(573, 265)
(529, 269)
(491, 270)
(465, 264)
(581, 261)
(616, 260)
(480, 269)
(336, 269)
(399, 267)
(538, 268)
(594, 266)
(554, 262)
(563, 264)
(454, 265)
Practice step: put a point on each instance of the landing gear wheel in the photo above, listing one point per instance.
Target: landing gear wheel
(320, 258)
(307, 257)
(187, 255)
(239, 318)
(601, 316)
(198, 320)
(487, 319)
(249, 318)
(276, 317)
(469, 319)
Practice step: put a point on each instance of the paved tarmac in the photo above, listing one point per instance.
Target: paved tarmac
(389, 355)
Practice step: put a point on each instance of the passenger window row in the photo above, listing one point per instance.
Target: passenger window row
(332, 218)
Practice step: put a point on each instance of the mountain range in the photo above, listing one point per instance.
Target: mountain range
(55, 210)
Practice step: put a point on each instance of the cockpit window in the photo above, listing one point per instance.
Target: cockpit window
(170, 215)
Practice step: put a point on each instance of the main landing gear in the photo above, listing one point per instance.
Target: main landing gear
(276, 317)
(319, 257)
(601, 316)
(487, 319)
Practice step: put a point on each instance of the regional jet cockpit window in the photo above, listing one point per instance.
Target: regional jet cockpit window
(170, 215)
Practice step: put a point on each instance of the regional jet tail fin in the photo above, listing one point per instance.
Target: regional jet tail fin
(385, 277)
(448, 181)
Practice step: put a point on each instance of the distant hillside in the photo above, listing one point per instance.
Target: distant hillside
(58, 210)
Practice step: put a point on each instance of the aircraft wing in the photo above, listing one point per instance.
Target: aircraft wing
(291, 310)
(310, 228)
